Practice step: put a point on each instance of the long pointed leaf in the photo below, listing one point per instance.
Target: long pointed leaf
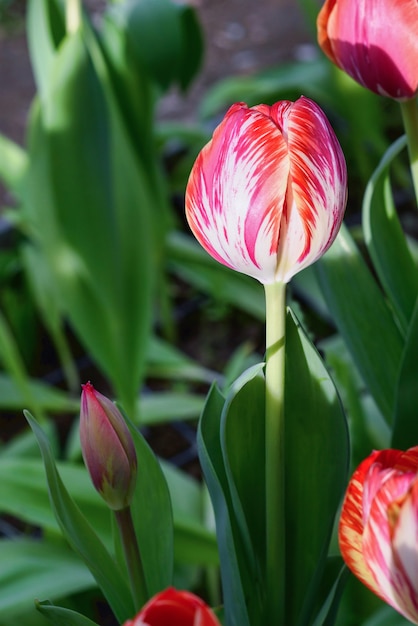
(316, 466)
(81, 536)
(405, 423)
(60, 616)
(243, 448)
(153, 518)
(363, 319)
(386, 240)
(38, 568)
(235, 578)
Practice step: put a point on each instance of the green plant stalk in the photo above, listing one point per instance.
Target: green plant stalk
(66, 359)
(132, 557)
(274, 447)
(409, 111)
(72, 15)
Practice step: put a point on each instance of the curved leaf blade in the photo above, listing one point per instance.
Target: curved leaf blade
(386, 240)
(81, 536)
(363, 319)
(316, 466)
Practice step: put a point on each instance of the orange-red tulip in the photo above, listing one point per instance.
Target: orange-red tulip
(266, 196)
(378, 530)
(174, 608)
(375, 42)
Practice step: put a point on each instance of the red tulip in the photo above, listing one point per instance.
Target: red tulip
(107, 447)
(174, 608)
(378, 529)
(266, 196)
(374, 41)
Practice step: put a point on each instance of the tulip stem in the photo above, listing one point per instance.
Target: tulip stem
(274, 446)
(410, 121)
(132, 557)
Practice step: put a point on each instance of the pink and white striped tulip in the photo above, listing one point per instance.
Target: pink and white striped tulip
(378, 530)
(375, 42)
(266, 196)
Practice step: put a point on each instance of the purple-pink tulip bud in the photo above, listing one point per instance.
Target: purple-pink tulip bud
(107, 447)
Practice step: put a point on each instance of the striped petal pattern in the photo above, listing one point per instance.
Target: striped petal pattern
(266, 196)
(374, 41)
(378, 530)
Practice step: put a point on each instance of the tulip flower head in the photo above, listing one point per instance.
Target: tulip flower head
(174, 608)
(266, 196)
(378, 530)
(375, 42)
(107, 447)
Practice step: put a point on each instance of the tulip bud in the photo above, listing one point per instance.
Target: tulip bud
(378, 528)
(174, 607)
(266, 196)
(375, 42)
(107, 447)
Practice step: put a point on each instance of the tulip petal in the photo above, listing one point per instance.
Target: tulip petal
(350, 531)
(317, 191)
(360, 38)
(236, 192)
(405, 542)
(174, 608)
(393, 585)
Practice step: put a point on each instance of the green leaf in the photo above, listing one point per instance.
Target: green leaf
(194, 541)
(149, 20)
(316, 466)
(195, 545)
(90, 206)
(161, 407)
(405, 423)
(267, 86)
(235, 577)
(189, 261)
(386, 616)
(166, 361)
(192, 45)
(386, 240)
(243, 449)
(36, 568)
(24, 494)
(153, 518)
(368, 429)
(335, 579)
(51, 399)
(363, 318)
(63, 617)
(46, 29)
(46, 296)
(82, 537)
(13, 163)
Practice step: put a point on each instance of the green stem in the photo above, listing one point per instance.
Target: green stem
(72, 15)
(275, 370)
(132, 557)
(410, 121)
